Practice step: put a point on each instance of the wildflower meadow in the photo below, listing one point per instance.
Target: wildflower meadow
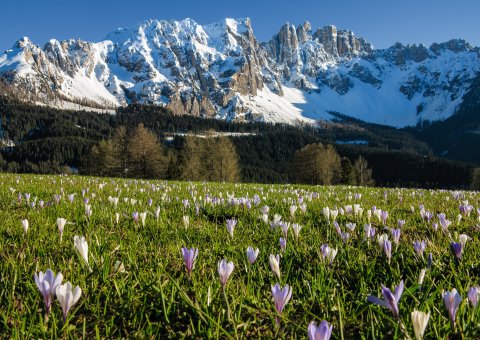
(111, 258)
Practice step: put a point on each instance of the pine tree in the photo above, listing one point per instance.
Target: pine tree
(476, 179)
(348, 172)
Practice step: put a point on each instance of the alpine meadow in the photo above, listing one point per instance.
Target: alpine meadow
(139, 258)
(240, 170)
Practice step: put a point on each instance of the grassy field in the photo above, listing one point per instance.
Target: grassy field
(136, 285)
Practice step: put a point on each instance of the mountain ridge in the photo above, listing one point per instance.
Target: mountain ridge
(220, 70)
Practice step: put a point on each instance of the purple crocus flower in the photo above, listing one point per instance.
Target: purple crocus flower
(457, 249)
(395, 235)
(384, 216)
(419, 247)
(345, 237)
(231, 226)
(281, 296)
(452, 301)
(252, 255)
(387, 248)
(321, 332)
(150, 202)
(189, 256)
(135, 216)
(401, 223)
(47, 284)
(473, 295)
(283, 244)
(391, 298)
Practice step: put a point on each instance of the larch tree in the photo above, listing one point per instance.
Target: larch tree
(317, 164)
(363, 172)
(190, 159)
(145, 155)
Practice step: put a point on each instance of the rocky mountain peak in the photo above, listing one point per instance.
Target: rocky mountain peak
(341, 43)
(221, 70)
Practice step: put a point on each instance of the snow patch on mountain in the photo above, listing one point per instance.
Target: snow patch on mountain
(220, 70)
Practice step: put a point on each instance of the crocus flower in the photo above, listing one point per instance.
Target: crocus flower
(401, 223)
(387, 248)
(321, 332)
(275, 264)
(25, 225)
(284, 226)
(189, 256)
(391, 298)
(384, 216)
(420, 321)
(67, 296)
(231, 226)
(186, 221)
(283, 244)
(225, 269)
(395, 235)
(473, 295)
(47, 284)
(351, 226)
(328, 253)
(88, 210)
(457, 249)
(252, 255)
(143, 216)
(326, 213)
(381, 240)
(452, 301)
(421, 277)
(419, 247)
(296, 230)
(61, 225)
(157, 213)
(281, 296)
(463, 238)
(333, 214)
(82, 247)
(293, 209)
(135, 216)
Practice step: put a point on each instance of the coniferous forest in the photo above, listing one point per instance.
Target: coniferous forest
(142, 141)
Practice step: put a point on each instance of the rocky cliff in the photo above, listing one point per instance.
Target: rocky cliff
(221, 70)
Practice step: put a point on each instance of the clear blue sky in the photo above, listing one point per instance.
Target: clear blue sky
(381, 22)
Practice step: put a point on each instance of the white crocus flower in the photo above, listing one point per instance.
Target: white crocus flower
(67, 296)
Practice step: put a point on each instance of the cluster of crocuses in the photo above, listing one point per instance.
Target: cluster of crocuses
(281, 296)
(49, 285)
(451, 299)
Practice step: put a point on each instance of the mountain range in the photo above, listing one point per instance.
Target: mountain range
(220, 70)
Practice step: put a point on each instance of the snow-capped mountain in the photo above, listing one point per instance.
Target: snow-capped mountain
(221, 70)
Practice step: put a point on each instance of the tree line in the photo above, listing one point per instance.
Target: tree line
(46, 140)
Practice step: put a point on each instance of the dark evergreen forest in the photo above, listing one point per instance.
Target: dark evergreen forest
(45, 140)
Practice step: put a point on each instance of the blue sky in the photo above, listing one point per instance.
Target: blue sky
(381, 22)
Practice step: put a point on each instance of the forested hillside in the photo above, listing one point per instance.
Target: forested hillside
(42, 140)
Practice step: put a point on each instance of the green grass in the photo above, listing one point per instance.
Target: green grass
(155, 298)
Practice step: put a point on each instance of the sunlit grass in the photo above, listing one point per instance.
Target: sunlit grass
(155, 297)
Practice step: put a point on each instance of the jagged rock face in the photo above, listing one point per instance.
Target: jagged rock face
(220, 70)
